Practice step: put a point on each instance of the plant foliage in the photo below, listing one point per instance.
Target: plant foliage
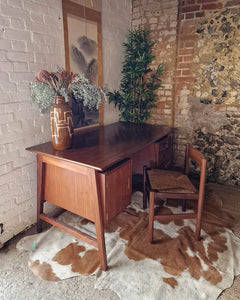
(49, 85)
(136, 96)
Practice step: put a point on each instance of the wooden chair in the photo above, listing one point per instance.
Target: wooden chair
(175, 185)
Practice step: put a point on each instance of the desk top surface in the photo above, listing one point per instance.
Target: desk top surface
(103, 146)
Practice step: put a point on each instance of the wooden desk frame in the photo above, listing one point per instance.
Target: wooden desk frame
(77, 185)
(99, 241)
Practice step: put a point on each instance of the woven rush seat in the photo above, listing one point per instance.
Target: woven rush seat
(170, 181)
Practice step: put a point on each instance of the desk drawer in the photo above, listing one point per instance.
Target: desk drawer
(165, 143)
(116, 189)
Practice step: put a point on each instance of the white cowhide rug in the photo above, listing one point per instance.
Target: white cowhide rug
(173, 267)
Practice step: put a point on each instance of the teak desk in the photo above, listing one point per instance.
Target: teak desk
(93, 179)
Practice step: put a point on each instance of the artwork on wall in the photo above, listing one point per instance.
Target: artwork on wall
(82, 37)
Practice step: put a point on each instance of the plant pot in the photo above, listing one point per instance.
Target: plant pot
(61, 124)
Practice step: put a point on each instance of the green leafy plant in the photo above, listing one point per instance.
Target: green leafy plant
(136, 96)
(49, 85)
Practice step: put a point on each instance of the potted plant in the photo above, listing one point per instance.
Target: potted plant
(136, 96)
(54, 90)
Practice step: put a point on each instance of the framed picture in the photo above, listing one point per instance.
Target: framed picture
(83, 54)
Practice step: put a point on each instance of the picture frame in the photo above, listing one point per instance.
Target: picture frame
(83, 54)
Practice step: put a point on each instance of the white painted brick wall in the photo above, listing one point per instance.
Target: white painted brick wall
(31, 38)
(116, 21)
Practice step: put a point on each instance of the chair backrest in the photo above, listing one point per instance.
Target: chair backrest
(198, 157)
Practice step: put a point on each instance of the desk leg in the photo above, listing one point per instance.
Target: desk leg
(99, 224)
(40, 184)
(156, 152)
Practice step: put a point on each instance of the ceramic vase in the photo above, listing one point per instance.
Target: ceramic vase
(61, 124)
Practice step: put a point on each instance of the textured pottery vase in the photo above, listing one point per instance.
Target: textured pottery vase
(61, 124)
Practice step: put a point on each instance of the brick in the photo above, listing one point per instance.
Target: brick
(4, 77)
(200, 14)
(56, 13)
(184, 65)
(5, 97)
(206, 1)
(190, 8)
(186, 51)
(57, 4)
(232, 3)
(19, 45)
(168, 86)
(30, 6)
(186, 72)
(160, 105)
(22, 86)
(14, 126)
(179, 73)
(8, 108)
(211, 6)
(5, 45)
(38, 28)
(180, 59)
(9, 11)
(3, 55)
(20, 56)
(188, 44)
(40, 38)
(15, 3)
(184, 79)
(6, 118)
(21, 97)
(188, 58)
(189, 16)
(18, 35)
(153, 20)
(5, 22)
(20, 67)
(49, 20)
(18, 24)
(4, 189)
(187, 37)
(36, 18)
(6, 66)
(22, 76)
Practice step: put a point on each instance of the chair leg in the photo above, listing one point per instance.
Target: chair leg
(184, 205)
(151, 217)
(199, 218)
(144, 188)
(144, 196)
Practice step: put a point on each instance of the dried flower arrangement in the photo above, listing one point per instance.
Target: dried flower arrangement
(49, 85)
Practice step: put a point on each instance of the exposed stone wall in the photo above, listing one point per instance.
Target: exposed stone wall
(217, 81)
(207, 104)
(206, 100)
(216, 71)
(222, 149)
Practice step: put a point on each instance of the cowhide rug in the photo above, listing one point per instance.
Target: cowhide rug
(174, 267)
